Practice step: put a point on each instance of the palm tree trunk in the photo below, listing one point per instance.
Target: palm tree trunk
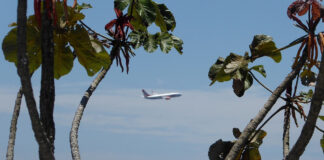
(78, 114)
(13, 126)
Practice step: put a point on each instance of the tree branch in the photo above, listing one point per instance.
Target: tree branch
(13, 126)
(308, 129)
(47, 92)
(78, 114)
(240, 143)
(23, 72)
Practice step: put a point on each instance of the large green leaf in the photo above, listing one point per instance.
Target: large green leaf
(150, 45)
(177, 43)
(216, 72)
(165, 42)
(87, 55)
(263, 45)
(164, 18)
(260, 69)
(121, 4)
(9, 47)
(63, 56)
(146, 10)
(233, 62)
(136, 38)
(137, 21)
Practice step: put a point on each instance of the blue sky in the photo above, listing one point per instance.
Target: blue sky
(119, 125)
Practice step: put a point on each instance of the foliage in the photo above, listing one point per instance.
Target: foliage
(220, 149)
(236, 67)
(70, 40)
(140, 15)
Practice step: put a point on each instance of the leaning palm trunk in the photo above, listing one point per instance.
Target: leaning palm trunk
(13, 126)
(250, 128)
(78, 114)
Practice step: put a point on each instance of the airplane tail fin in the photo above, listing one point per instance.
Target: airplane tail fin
(145, 93)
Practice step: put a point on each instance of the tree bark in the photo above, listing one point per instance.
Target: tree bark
(47, 92)
(308, 128)
(241, 142)
(23, 72)
(13, 126)
(286, 126)
(78, 114)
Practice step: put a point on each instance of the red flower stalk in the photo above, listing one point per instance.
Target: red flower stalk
(120, 23)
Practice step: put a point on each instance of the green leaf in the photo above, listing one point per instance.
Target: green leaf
(164, 18)
(9, 47)
(262, 45)
(216, 72)
(87, 55)
(321, 117)
(242, 81)
(63, 56)
(137, 21)
(307, 77)
(136, 38)
(83, 6)
(260, 69)
(150, 45)
(322, 143)
(177, 43)
(234, 62)
(121, 4)
(251, 153)
(146, 11)
(165, 42)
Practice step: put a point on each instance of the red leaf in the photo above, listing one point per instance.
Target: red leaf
(298, 7)
(118, 12)
(37, 10)
(109, 25)
(316, 11)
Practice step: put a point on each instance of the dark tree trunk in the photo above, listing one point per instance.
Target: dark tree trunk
(47, 92)
(23, 71)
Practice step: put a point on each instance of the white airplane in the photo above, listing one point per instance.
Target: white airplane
(166, 96)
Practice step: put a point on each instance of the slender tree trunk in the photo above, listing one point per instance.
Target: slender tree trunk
(47, 92)
(78, 114)
(23, 72)
(286, 126)
(308, 129)
(241, 142)
(13, 126)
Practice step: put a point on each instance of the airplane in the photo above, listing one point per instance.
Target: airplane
(166, 96)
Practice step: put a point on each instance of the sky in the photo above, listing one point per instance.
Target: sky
(118, 124)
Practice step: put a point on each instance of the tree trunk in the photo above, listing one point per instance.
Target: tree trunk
(13, 126)
(308, 129)
(47, 92)
(24, 74)
(286, 126)
(253, 124)
(78, 114)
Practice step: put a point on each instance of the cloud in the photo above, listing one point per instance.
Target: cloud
(194, 116)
